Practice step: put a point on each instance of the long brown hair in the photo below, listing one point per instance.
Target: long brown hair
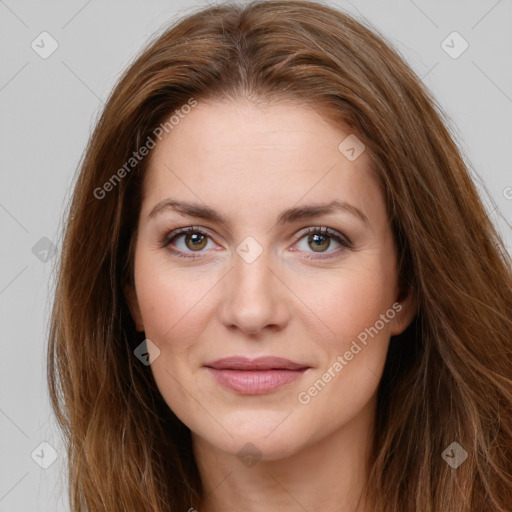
(447, 377)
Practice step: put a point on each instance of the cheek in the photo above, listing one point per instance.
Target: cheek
(174, 308)
(170, 300)
(354, 352)
(354, 305)
(348, 301)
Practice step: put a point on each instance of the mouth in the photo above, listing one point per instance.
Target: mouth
(255, 376)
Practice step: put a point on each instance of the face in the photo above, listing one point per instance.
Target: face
(265, 275)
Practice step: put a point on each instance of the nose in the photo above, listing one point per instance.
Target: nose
(253, 297)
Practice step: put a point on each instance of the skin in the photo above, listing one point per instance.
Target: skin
(250, 163)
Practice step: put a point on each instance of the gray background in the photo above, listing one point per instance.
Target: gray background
(48, 108)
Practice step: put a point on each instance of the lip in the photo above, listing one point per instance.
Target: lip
(255, 376)
(260, 363)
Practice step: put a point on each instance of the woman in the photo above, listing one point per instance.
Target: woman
(279, 289)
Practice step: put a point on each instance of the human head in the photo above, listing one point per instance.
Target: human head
(316, 56)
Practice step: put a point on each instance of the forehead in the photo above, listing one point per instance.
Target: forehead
(253, 156)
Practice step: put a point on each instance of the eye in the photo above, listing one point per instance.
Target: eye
(319, 240)
(185, 241)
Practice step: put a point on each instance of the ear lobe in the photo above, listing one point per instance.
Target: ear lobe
(133, 304)
(405, 308)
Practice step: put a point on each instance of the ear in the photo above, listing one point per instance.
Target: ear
(133, 304)
(405, 308)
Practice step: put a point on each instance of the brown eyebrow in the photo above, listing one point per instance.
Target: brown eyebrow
(288, 216)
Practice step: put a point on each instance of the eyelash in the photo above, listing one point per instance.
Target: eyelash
(341, 239)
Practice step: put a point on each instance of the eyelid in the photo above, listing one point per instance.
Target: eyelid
(324, 231)
(174, 233)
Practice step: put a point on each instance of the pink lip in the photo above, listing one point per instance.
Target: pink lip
(255, 376)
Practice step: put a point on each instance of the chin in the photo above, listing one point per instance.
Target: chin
(262, 432)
